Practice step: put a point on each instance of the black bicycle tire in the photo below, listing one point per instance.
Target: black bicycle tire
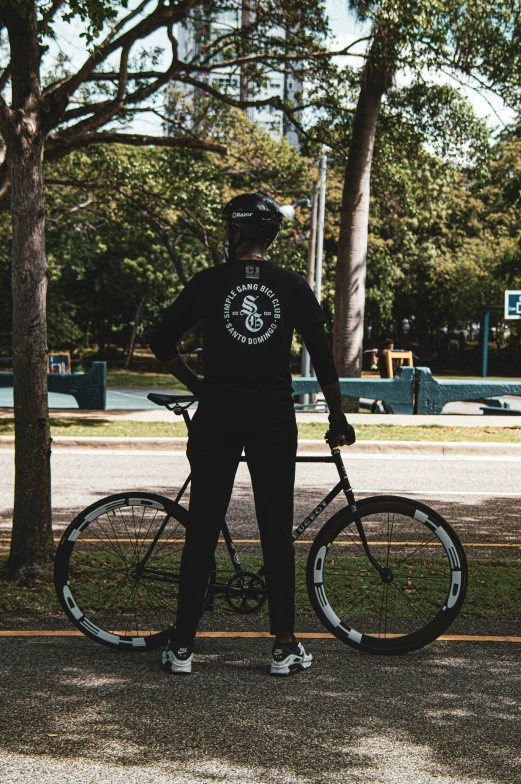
(64, 551)
(381, 645)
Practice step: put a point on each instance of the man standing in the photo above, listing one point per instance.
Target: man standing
(249, 308)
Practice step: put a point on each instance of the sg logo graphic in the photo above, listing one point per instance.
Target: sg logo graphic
(249, 309)
(253, 317)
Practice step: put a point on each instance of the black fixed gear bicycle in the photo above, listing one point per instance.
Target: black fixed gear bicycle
(386, 575)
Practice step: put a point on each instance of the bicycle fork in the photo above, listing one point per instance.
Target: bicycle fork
(384, 572)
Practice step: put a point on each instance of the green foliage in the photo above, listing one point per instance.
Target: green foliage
(126, 225)
(444, 239)
(437, 114)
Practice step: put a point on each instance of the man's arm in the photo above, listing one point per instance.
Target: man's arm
(340, 430)
(178, 368)
(333, 399)
(177, 319)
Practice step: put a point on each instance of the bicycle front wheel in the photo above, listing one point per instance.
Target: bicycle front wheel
(110, 586)
(426, 576)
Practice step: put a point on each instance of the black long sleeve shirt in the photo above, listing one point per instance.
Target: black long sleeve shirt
(249, 311)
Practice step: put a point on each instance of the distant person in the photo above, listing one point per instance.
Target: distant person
(379, 362)
(379, 359)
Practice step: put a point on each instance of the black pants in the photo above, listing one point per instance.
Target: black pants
(215, 445)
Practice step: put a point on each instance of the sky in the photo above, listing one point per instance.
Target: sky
(344, 30)
(487, 105)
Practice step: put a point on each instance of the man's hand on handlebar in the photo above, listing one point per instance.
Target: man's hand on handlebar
(340, 432)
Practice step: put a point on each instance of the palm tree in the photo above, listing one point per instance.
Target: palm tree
(377, 77)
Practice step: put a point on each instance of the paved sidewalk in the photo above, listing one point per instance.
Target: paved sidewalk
(73, 711)
(418, 420)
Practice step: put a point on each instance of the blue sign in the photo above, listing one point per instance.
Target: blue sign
(513, 304)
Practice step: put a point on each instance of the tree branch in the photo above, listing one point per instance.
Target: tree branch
(123, 72)
(113, 76)
(126, 19)
(169, 245)
(277, 56)
(4, 78)
(59, 150)
(274, 101)
(6, 120)
(198, 66)
(163, 15)
(105, 111)
(478, 90)
(55, 6)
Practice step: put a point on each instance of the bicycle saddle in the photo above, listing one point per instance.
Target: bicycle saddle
(170, 400)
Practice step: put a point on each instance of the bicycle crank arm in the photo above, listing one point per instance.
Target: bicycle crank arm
(251, 593)
(155, 576)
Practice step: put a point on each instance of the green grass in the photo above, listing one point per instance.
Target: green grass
(494, 592)
(106, 427)
(130, 378)
(392, 432)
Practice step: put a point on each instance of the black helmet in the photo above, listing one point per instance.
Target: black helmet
(255, 215)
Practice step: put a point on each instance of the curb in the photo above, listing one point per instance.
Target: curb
(438, 448)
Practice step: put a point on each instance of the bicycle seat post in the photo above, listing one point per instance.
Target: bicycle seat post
(181, 411)
(186, 418)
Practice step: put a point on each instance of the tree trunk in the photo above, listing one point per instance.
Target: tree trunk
(132, 341)
(246, 21)
(32, 540)
(352, 246)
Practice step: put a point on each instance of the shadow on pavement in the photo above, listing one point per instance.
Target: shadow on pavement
(449, 713)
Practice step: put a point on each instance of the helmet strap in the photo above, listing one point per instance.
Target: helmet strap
(229, 244)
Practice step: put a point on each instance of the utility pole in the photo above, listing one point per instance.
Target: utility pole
(320, 235)
(305, 371)
(485, 334)
(320, 232)
(246, 21)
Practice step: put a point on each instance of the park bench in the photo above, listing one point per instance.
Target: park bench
(89, 389)
(414, 390)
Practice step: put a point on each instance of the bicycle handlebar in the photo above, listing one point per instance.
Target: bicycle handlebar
(176, 400)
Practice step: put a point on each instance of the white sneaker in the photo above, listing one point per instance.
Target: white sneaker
(289, 658)
(178, 660)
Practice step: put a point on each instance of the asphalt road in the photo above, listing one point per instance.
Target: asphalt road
(72, 712)
(81, 476)
(481, 497)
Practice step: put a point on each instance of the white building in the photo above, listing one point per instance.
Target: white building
(191, 39)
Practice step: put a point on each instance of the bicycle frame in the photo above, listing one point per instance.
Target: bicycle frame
(342, 486)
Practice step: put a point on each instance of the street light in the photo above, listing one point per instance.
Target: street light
(316, 204)
(316, 252)
(320, 233)
(288, 210)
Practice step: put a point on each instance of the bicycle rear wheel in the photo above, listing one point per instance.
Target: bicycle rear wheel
(98, 572)
(428, 567)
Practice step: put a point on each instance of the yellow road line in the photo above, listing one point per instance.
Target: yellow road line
(298, 541)
(257, 635)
